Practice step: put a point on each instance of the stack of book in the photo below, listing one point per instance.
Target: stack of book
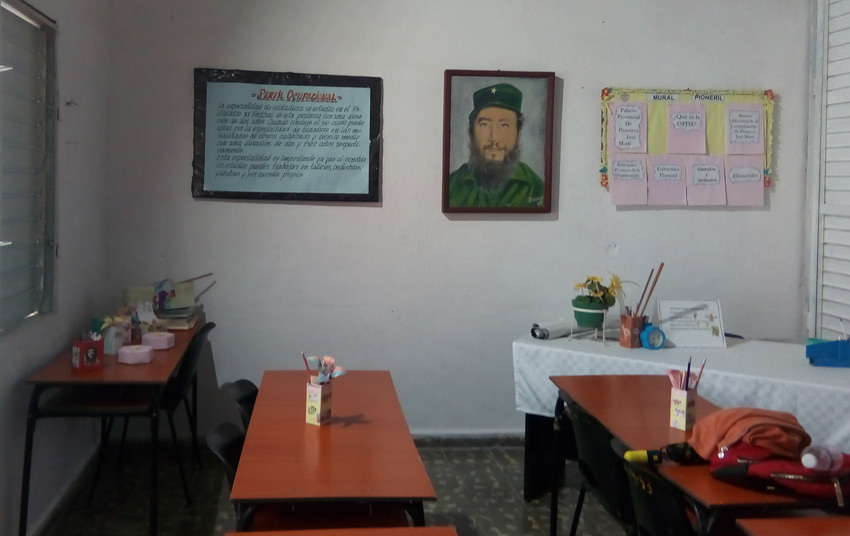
(182, 318)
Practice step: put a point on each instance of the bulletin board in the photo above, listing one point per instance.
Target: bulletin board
(286, 136)
(666, 147)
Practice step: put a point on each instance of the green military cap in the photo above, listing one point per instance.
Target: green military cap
(499, 95)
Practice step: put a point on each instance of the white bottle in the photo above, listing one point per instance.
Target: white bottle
(822, 457)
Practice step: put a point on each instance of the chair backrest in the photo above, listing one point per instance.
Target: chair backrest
(177, 387)
(660, 508)
(600, 466)
(226, 441)
(244, 393)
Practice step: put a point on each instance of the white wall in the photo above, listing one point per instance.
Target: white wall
(435, 299)
(62, 446)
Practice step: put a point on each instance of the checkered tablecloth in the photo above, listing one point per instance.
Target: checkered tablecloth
(760, 374)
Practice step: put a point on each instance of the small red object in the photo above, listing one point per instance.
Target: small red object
(87, 355)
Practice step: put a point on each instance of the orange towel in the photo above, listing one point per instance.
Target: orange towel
(777, 431)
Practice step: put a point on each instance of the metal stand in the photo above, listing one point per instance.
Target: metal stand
(594, 331)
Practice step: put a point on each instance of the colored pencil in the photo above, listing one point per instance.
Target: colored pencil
(700, 373)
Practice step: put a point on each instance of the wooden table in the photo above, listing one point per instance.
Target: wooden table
(796, 526)
(365, 453)
(763, 374)
(636, 410)
(57, 373)
(387, 531)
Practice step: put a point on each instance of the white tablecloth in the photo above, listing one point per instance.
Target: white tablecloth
(747, 373)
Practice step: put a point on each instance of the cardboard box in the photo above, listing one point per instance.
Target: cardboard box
(87, 355)
(682, 408)
(319, 402)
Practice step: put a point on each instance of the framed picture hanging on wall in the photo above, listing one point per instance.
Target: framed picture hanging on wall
(497, 141)
(286, 136)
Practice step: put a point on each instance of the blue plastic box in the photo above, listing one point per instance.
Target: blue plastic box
(828, 353)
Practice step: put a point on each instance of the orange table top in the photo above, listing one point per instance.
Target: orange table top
(384, 531)
(364, 452)
(797, 526)
(636, 409)
(58, 371)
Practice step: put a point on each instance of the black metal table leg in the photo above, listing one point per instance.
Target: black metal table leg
(32, 416)
(244, 516)
(416, 509)
(537, 458)
(154, 469)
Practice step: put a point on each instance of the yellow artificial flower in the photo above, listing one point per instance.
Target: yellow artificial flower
(616, 285)
(594, 291)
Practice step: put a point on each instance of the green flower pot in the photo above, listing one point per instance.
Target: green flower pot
(589, 315)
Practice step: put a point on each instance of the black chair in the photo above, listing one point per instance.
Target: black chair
(175, 392)
(602, 473)
(244, 393)
(660, 508)
(226, 441)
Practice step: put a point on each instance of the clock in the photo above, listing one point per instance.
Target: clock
(652, 338)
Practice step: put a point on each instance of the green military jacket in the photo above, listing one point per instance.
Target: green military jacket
(524, 189)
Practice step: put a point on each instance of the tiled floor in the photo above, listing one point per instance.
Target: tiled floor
(479, 491)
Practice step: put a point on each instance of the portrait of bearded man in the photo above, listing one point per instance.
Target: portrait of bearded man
(494, 176)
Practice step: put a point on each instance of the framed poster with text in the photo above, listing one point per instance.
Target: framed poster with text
(286, 136)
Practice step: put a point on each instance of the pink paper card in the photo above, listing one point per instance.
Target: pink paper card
(745, 128)
(686, 128)
(745, 180)
(666, 180)
(627, 127)
(627, 179)
(706, 180)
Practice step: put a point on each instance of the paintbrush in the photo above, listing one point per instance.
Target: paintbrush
(648, 279)
(654, 281)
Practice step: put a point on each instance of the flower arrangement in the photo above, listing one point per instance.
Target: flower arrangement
(594, 292)
(327, 367)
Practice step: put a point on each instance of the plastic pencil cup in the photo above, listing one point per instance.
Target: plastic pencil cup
(630, 328)
(318, 402)
(682, 408)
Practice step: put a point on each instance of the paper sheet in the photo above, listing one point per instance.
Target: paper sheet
(627, 127)
(553, 330)
(666, 180)
(706, 180)
(686, 128)
(692, 323)
(627, 183)
(745, 180)
(144, 310)
(745, 128)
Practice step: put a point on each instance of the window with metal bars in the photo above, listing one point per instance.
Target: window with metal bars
(27, 162)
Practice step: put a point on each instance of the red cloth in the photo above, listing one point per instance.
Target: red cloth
(777, 431)
(812, 482)
(749, 466)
